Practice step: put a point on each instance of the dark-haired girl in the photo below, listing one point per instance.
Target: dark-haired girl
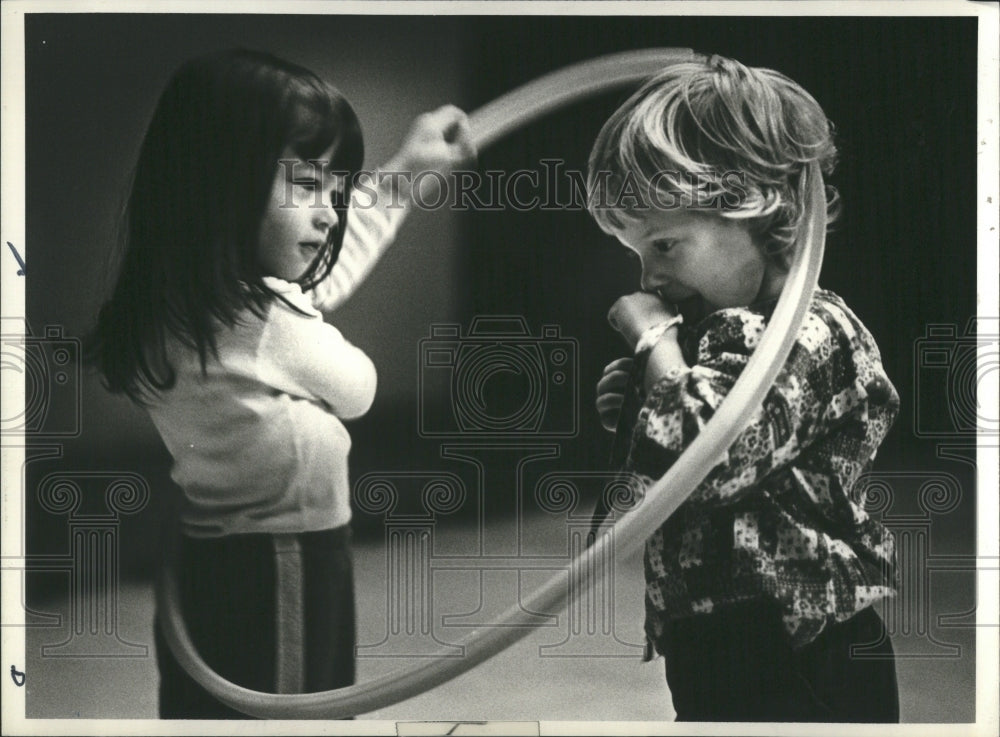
(237, 237)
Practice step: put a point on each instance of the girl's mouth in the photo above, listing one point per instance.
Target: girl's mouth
(312, 246)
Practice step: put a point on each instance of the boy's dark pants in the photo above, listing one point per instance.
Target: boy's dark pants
(228, 589)
(737, 665)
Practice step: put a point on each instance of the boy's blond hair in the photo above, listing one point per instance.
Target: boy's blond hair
(718, 136)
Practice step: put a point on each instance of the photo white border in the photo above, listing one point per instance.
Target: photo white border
(12, 638)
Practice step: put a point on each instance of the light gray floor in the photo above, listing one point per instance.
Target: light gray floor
(523, 683)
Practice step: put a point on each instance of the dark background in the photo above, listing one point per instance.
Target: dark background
(900, 91)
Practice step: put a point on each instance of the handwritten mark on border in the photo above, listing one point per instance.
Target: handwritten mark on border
(20, 261)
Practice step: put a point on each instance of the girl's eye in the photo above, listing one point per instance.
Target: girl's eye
(308, 184)
(664, 245)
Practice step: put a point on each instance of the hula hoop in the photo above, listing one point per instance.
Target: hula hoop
(662, 499)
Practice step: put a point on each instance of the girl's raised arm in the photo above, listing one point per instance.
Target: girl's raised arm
(372, 225)
(437, 141)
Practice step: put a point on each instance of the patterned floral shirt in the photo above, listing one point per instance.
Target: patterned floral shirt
(776, 517)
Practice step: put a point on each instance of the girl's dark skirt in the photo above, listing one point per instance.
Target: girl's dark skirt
(737, 665)
(229, 590)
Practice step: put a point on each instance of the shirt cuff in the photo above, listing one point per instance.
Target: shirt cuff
(652, 335)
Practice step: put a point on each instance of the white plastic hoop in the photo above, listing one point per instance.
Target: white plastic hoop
(488, 124)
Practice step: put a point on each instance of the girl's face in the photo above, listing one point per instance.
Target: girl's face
(298, 216)
(687, 254)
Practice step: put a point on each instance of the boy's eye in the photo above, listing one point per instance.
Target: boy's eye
(310, 184)
(664, 245)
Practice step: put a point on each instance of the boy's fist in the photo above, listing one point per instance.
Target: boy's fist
(632, 314)
(611, 392)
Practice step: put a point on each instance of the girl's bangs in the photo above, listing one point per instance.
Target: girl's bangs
(322, 120)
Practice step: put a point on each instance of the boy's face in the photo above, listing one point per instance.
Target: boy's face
(688, 254)
(297, 217)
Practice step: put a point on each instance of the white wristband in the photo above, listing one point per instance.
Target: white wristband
(652, 335)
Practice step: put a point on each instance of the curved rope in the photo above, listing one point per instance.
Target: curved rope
(632, 530)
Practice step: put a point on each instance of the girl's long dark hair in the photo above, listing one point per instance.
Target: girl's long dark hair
(189, 231)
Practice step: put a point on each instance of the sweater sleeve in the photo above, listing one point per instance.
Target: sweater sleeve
(306, 357)
(831, 378)
(372, 223)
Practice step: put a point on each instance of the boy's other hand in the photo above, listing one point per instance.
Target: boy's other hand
(611, 392)
(632, 314)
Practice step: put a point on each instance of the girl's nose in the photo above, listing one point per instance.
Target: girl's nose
(325, 218)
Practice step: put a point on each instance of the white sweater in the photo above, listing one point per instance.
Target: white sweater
(258, 445)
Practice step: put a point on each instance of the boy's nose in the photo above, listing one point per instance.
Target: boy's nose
(652, 275)
(649, 282)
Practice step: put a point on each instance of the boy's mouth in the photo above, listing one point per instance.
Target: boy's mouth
(670, 292)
